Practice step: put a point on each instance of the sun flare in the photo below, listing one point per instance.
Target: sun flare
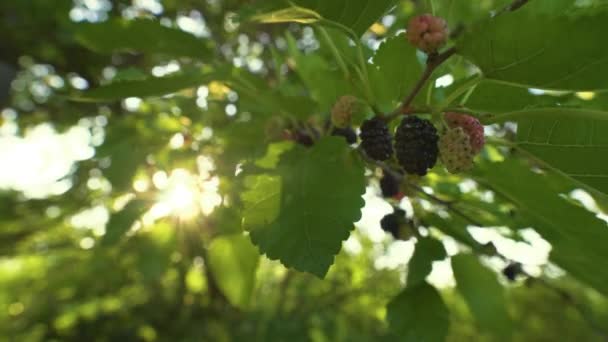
(186, 196)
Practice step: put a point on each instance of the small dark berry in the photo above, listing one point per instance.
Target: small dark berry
(376, 140)
(416, 145)
(348, 133)
(389, 185)
(303, 138)
(512, 271)
(392, 222)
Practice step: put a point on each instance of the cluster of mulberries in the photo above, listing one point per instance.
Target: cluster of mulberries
(417, 144)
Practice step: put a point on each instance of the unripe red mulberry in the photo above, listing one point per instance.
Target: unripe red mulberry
(343, 110)
(455, 150)
(427, 32)
(471, 126)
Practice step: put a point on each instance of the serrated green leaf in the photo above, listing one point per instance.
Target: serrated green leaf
(273, 155)
(262, 201)
(418, 314)
(540, 50)
(567, 139)
(145, 36)
(576, 235)
(234, 263)
(427, 251)
(121, 221)
(395, 70)
(148, 87)
(483, 294)
(301, 212)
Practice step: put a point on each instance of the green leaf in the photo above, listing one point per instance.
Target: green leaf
(578, 238)
(325, 83)
(121, 221)
(357, 15)
(301, 212)
(483, 294)
(418, 314)
(152, 250)
(495, 97)
(427, 251)
(458, 12)
(124, 147)
(293, 14)
(395, 70)
(234, 263)
(146, 36)
(540, 50)
(567, 139)
(273, 155)
(150, 86)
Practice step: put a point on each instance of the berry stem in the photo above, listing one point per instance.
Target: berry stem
(465, 87)
(447, 204)
(400, 176)
(433, 61)
(515, 5)
(568, 298)
(335, 52)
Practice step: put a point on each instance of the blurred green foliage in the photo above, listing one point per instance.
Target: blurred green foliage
(186, 102)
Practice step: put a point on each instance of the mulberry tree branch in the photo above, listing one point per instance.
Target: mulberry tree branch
(432, 63)
(515, 5)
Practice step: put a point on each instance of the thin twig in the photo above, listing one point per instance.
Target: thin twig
(569, 299)
(478, 249)
(515, 5)
(433, 61)
(401, 177)
(448, 205)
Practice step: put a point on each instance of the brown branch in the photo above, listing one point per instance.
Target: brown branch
(448, 205)
(401, 176)
(433, 61)
(514, 6)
